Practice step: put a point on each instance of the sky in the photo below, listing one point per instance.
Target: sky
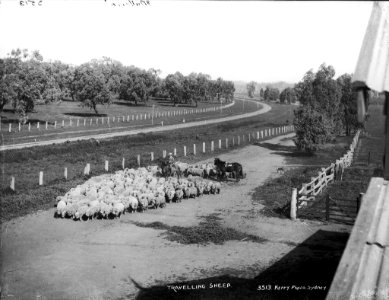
(260, 41)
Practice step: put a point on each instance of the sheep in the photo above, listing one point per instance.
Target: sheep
(190, 192)
(133, 203)
(81, 211)
(169, 194)
(178, 195)
(160, 201)
(215, 188)
(117, 209)
(143, 203)
(61, 208)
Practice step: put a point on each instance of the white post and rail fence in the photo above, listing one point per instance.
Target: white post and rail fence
(309, 191)
(150, 156)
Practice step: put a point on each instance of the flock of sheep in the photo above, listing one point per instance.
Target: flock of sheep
(131, 190)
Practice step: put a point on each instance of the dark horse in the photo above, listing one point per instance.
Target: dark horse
(169, 169)
(235, 168)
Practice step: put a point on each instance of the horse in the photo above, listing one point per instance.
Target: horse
(169, 170)
(235, 168)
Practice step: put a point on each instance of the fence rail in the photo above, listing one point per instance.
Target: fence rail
(146, 158)
(309, 191)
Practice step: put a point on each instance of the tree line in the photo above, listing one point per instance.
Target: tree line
(28, 80)
(287, 96)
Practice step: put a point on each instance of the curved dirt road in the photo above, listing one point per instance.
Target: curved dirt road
(265, 108)
(47, 258)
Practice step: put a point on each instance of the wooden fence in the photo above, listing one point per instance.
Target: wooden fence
(309, 191)
(108, 121)
(147, 158)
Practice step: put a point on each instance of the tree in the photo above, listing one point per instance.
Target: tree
(349, 104)
(173, 84)
(91, 87)
(311, 127)
(320, 96)
(288, 96)
(271, 94)
(250, 89)
(24, 82)
(262, 93)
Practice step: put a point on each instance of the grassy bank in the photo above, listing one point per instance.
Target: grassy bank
(26, 164)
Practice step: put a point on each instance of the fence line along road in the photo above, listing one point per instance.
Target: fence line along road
(148, 157)
(310, 190)
(265, 108)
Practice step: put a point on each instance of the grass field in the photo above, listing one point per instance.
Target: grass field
(88, 127)
(26, 164)
(66, 110)
(277, 192)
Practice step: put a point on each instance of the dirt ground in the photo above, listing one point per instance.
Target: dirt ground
(48, 258)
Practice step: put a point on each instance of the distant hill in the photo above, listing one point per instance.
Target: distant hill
(240, 86)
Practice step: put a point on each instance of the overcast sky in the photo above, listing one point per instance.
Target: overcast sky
(260, 41)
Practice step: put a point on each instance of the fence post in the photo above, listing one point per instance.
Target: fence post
(203, 147)
(184, 150)
(46, 125)
(123, 163)
(20, 127)
(106, 166)
(175, 152)
(102, 120)
(138, 160)
(152, 156)
(12, 185)
(37, 126)
(55, 124)
(40, 178)
(194, 149)
(65, 173)
(359, 200)
(293, 205)
(164, 153)
(97, 121)
(220, 144)
(226, 143)
(84, 122)
(212, 146)
(233, 141)
(328, 208)
(249, 137)
(257, 135)
(87, 169)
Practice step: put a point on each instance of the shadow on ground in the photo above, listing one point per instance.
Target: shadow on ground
(305, 269)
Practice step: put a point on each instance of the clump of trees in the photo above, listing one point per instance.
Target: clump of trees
(196, 88)
(288, 96)
(271, 94)
(28, 80)
(328, 108)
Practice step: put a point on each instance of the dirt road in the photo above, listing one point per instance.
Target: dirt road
(265, 108)
(47, 258)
